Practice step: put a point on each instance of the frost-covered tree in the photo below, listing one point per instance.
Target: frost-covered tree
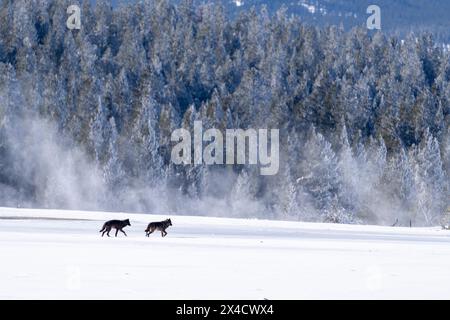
(320, 172)
(112, 169)
(430, 181)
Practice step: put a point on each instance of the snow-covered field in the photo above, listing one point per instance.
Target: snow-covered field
(52, 254)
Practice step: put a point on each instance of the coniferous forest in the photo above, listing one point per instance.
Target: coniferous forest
(86, 115)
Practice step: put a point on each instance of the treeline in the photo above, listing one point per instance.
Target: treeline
(86, 115)
(399, 17)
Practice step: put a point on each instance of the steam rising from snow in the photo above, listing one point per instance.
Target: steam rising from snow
(58, 174)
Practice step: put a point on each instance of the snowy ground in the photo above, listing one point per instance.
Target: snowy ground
(60, 255)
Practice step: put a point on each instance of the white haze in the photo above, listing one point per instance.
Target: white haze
(57, 173)
(60, 175)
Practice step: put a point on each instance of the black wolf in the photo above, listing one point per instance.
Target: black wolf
(117, 224)
(160, 226)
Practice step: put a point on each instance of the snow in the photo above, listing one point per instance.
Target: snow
(54, 254)
(311, 8)
(238, 3)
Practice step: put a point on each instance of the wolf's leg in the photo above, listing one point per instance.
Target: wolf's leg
(103, 233)
(165, 233)
(107, 231)
(123, 232)
(150, 232)
(117, 231)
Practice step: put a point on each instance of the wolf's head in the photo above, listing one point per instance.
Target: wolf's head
(169, 222)
(127, 222)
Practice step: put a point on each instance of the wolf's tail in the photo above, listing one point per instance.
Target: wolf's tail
(103, 229)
